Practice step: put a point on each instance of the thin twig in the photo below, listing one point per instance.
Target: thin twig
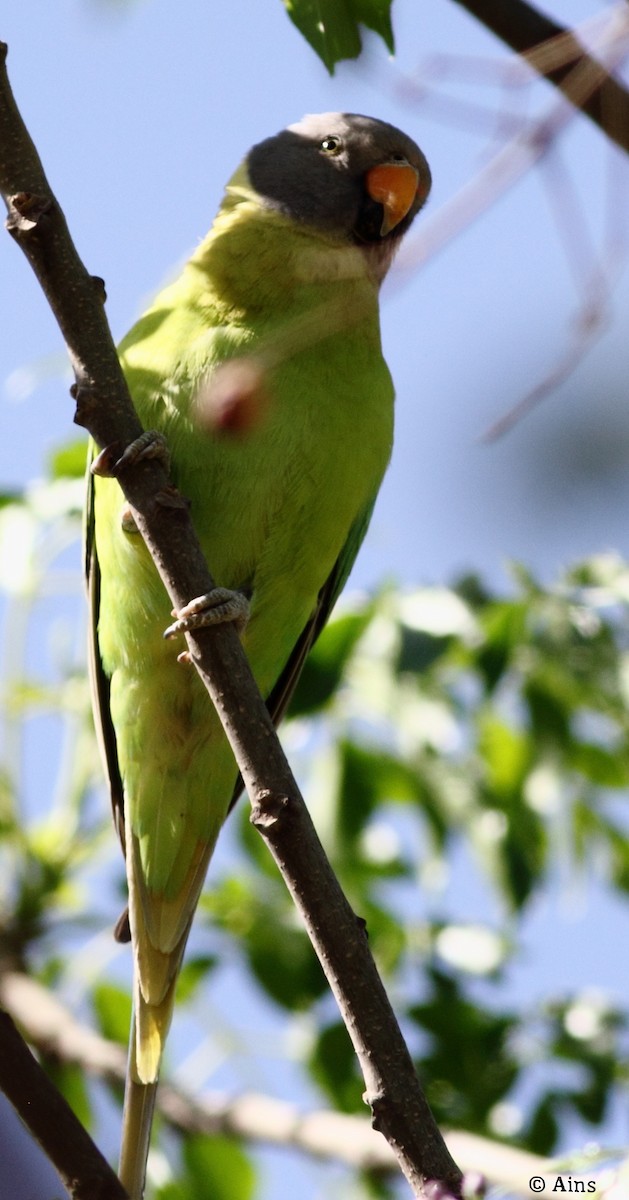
(503, 171)
(400, 1109)
(515, 158)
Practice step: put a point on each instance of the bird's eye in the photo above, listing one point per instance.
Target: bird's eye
(330, 145)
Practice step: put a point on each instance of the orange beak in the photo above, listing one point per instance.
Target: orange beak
(394, 186)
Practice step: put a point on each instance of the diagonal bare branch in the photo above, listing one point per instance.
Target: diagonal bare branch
(81, 1166)
(524, 28)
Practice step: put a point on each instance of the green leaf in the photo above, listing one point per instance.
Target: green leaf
(326, 663)
(504, 625)
(71, 1082)
(469, 1067)
(420, 650)
(7, 498)
(549, 711)
(543, 1129)
(507, 755)
(332, 27)
(600, 766)
(370, 778)
(524, 854)
(217, 1168)
(591, 1103)
(7, 805)
(619, 853)
(69, 460)
(112, 1006)
(284, 962)
(193, 973)
(259, 912)
(333, 1066)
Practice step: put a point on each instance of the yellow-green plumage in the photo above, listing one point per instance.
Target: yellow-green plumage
(280, 512)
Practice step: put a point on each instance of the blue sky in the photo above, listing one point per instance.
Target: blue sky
(141, 112)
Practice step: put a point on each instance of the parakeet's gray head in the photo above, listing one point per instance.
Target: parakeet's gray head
(350, 176)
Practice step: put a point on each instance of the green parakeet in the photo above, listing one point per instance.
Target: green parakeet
(281, 472)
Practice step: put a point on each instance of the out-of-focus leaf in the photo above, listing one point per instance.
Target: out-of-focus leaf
(193, 974)
(277, 949)
(506, 754)
(543, 1128)
(214, 1168)
(15, 497)
(503, 626)
(469, 1067)
(599, 765)
(333, 1067)
(591, 1103)
(7, 805)
(112, 1006)
(549, 711)
(284, 963)
(619, 854)
(332, 27)
(69, 460)
(326, 663)
(217, 1168)
(368, 779)
(524, 852)
(71, 1082)
(419, 650)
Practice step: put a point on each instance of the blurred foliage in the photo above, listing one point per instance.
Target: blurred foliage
(213, 1169)
(332, 27)
(448, 739)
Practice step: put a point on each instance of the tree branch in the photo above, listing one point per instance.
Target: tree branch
(512, 161)
(104, 407)
(349, 1140)
(81, 1166)
(524, 29)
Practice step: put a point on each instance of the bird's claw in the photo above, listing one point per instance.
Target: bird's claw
(150, 444)
(215, 608)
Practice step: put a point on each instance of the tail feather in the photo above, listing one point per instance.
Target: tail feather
(152, 1022)
(137, 1120)
(159, 930)
(157, 973)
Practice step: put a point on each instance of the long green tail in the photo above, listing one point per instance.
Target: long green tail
(137, 1121)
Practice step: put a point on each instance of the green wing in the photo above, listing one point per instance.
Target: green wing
(99, 682)
(280, 697)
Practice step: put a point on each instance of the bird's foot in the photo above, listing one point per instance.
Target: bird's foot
(215, 608)
(150, 444)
